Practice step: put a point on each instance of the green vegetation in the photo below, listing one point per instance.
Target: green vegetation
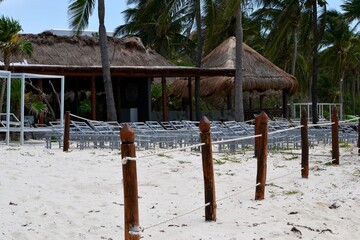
(293, 192)
(357, 173)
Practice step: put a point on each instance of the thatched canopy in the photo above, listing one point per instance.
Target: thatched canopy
(259, 74)
(49, 49)
(80, 56)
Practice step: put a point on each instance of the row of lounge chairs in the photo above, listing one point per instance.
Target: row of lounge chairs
(176, 134)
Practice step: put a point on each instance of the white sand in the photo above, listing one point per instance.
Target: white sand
(49, 194)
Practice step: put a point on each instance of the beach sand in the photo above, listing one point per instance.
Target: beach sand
(51, 194)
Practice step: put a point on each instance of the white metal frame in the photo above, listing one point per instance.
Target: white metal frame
(23, 76)
(320, 108)
(7, 75)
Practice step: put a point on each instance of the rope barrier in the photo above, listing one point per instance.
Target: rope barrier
(234, 194)
(177, 216)
(295, 171)
(173, 150)
(85, 119)
(236, 139)
(321, 124)
(125, 159)
(350, 120)
(285, 130)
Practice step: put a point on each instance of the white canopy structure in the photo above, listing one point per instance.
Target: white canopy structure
(22, 77)
(7, 75)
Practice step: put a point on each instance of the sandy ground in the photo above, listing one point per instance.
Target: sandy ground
(49, 194)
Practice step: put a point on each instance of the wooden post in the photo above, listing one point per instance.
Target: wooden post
(131, 211)
(164, 99)
(93, 98)
(40, 86)
(262, 157)
(190, 99)
(335, 135)
(285, 104)
(208, 169)
(66, 132)
(358, 143)
(304, 145)
(257, 132)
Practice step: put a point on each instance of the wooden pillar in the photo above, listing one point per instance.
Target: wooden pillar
(304, 145)
(131, 208)
(190, 99)
(250, 105)
(66, 137)
(208, 169)
(335, 135)
(93, 98)
(285, 104)
(164, 100)
(40, 86)
(262, 157)
(261, 100)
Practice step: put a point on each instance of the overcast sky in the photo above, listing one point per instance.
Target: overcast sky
(36, 16)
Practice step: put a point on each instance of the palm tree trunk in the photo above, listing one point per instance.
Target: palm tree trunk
(314, 64)
(110, 103)
(239, 104)
(198, 57)
(353, 98)
(293, 69)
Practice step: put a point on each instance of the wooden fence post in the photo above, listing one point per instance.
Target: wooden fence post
(131, 209)
(66, 132)
(208, 169)
(262, 157)
(304, 145)
(257, 132)
(335, 135)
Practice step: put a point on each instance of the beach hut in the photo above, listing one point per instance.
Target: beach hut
(133, 67)
(79, 60)
(259, 74)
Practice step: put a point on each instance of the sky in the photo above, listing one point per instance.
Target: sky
(36, 16)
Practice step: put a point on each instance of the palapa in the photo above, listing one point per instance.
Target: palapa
(259, 74)
(50, 49)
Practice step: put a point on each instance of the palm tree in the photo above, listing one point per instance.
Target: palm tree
(11, 44)
(166, 25)
(351, 9)
(339, 57)
(79, 12)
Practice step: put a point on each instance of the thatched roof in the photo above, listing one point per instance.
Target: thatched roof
(49, 49)
(259, 74)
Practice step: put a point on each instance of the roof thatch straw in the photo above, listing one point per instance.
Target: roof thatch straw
(50, 49)
(259, 74)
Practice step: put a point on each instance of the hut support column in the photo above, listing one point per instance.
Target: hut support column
(164, 100)
(93, 98)
(190, 99)
(285, 104)
(40, 86)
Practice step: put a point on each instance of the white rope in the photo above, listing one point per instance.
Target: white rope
(295, 171)
(85, 119)
(350, 120)
(236, 139)
(177, 216)
(321, 124)
(198, 208)
(125, 159)
(173, 150)
(285, 130)
(236, 193)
